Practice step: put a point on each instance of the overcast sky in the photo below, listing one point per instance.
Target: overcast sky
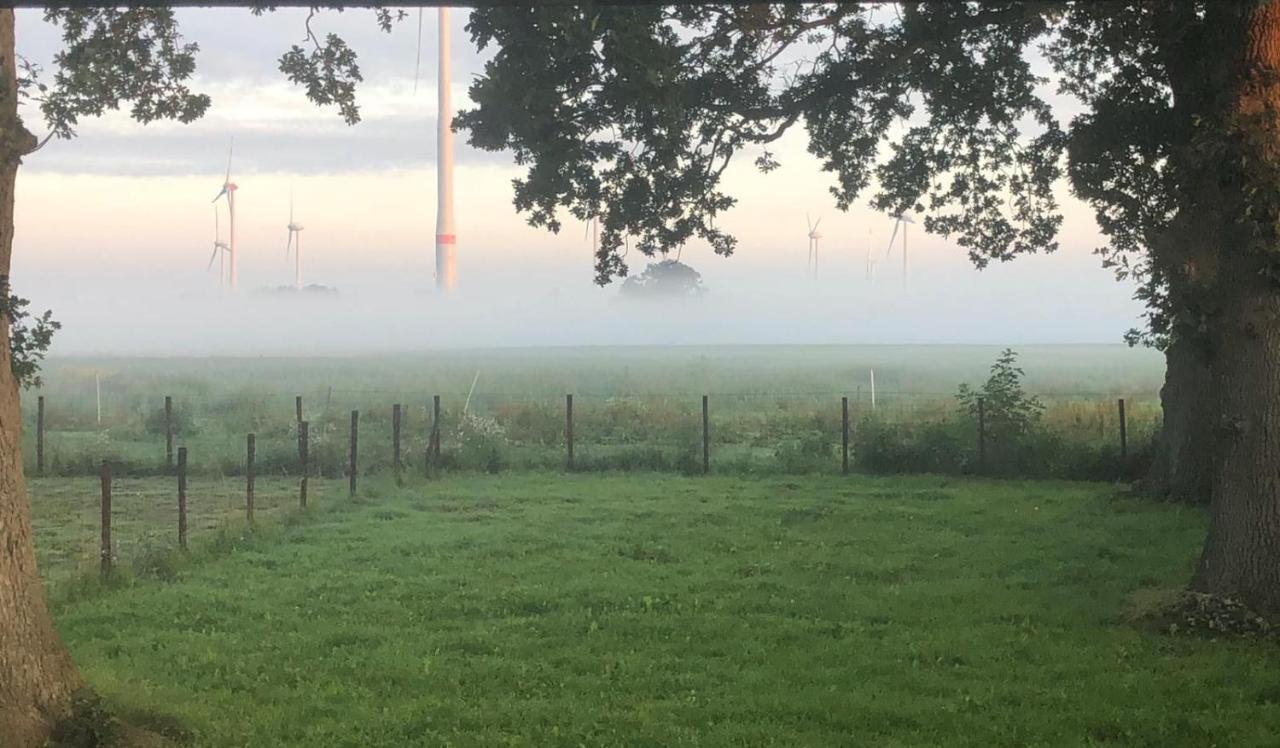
(114, 229)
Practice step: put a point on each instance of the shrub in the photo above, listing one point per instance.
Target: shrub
(480, 441)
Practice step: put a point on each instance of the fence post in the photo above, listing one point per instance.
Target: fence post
(182, 498)
(435, 428)
(251, 444)
(105, 551)
(168, 432)
(982, 436)
(1124, 436)
(706, 436)
(844, 435)
(355, 439)
(568, 428)
(304, 432)
(40, 436)
(395, 439)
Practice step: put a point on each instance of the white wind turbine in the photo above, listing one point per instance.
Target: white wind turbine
(294, 243)
(593, 230)
(871, 259)
(229, 190)
(220, 250)
(814, 236)
(900, 221)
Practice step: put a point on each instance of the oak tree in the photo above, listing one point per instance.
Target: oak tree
(630, 116)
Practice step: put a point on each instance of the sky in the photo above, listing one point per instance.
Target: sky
(115, 227)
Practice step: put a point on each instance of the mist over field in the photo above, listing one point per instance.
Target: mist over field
(540, 301)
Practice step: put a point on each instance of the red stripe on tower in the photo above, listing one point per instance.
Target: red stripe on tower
(446, 239)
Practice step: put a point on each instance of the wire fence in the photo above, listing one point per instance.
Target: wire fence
(1075, 435)
(149, 472)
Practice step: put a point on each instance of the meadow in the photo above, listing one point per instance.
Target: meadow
(655, 609)
(773, 409)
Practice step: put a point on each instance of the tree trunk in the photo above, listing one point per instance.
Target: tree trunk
(1241, 556)
(1182, 464)
(37, 675)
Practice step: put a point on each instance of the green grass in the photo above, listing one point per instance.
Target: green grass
(654, 610)
(67, 516)
(635, 407)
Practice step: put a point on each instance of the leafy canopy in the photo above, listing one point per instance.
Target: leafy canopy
(29, 340)
(946, 109)
(113, 57)
(632, 114)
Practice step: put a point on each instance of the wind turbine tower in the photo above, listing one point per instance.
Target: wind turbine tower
(295, 242)
(220, 249)
(446, 240)
(229, 190)
(814, 236)
(900, 221)
(871, 260)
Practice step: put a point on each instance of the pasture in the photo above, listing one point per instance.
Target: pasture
(772, 410)
(647, 609)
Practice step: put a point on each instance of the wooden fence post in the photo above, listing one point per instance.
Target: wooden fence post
(395, 439)
(706, 436)
(182, 498)
(168, 432)
(40, 436)
(1124, 436)
(355, 440)
(844, 435)
(982, 436)
(568, 428)
(105, 551)
(304, 432)
(251, 444)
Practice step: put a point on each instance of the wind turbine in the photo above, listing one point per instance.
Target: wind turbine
(295, 242)
(229, 190)
(814, 236)
(593, 230)
(900, 221)
(220, 249)
(871, 259)
(446, 240)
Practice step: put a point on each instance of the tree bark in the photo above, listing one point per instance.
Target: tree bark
(1181, 468)
(37, 675)
(1241, 557)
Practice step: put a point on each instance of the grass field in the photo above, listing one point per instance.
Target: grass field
(773, 409)
(656, 610)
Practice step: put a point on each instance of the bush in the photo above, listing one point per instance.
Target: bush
(480, 441)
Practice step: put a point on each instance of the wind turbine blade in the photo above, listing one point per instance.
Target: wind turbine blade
(213, 257)
(417, 57)
(219, 196)
(808, 222)
(288, 246)
(889, 251)
(815, 226)
(231, 149)
(290, 206)
(217, 224)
